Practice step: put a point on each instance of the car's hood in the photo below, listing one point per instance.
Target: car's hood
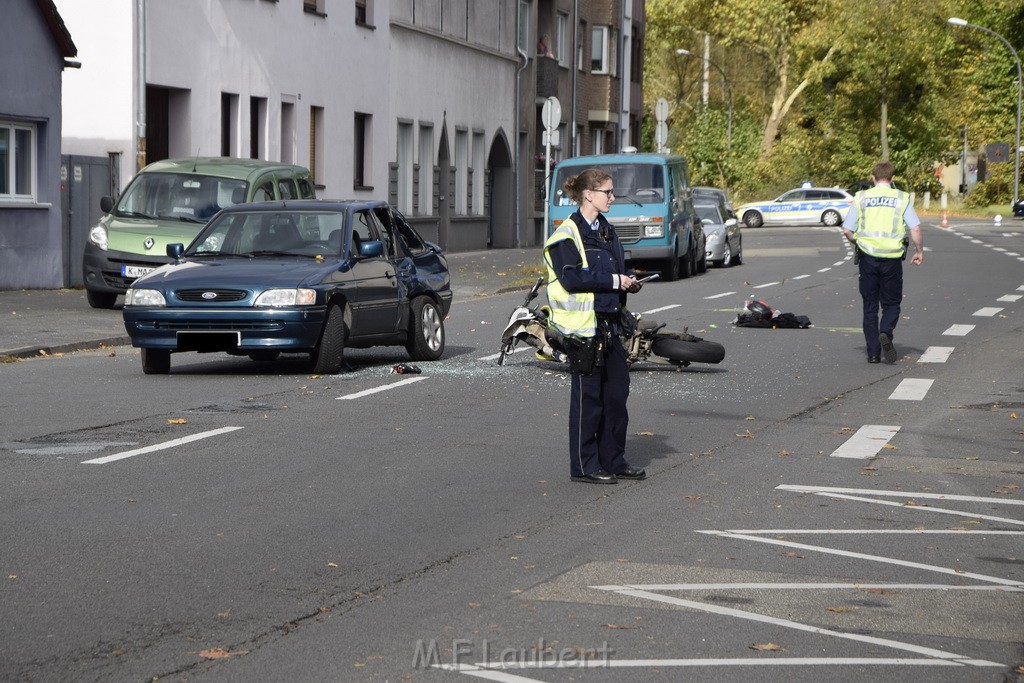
(134, 234)
(249, 273)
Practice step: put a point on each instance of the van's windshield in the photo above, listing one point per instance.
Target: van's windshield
(179, 196)
(632, 182)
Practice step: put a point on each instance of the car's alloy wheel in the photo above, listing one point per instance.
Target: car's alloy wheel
(831, 218)
(726, 257)
(329, 353)
(426, 333)
(156, 361)
(752, 219)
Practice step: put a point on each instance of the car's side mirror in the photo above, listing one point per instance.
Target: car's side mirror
(106, 204)
(731, 222)
(371, 248)
(175, 250)
(434, 248)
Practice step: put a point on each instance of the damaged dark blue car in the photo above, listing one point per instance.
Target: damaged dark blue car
(310, 277)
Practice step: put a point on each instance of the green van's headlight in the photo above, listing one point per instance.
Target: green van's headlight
(657, 230)
(98, 236)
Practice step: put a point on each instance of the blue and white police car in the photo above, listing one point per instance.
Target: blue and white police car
(802, 206)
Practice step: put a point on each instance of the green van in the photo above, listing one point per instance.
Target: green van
(652, 212)
(170, 201)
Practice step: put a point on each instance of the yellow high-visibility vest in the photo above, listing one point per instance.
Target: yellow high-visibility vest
(571, 312)
(880, 226)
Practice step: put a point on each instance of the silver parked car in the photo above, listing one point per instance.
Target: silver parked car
(723, 238)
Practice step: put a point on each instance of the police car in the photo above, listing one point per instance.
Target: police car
(802, 206)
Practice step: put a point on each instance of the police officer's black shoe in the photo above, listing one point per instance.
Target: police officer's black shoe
(632, 473)
(597, 477)
(874, 359)
(888, 350)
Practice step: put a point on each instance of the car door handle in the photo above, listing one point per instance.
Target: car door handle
(388, 274)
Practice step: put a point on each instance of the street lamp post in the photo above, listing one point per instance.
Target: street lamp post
(1016, 159)
(728, 90)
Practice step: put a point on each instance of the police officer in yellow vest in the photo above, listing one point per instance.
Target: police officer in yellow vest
(587, 285)
(877, 224)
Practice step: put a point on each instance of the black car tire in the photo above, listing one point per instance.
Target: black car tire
(737, 259)
(831, 218)
(687, 263)
(752, 219)
(670, 272)
(329, 353)
(426, 330)
(156, 361)
(702, 264)
(100, 299)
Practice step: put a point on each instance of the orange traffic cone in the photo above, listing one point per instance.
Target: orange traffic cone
(945, 220)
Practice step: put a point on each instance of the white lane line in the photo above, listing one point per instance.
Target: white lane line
(1021, 288)
(360, 394)
(810, 586)
(987, 312)
(719, 296)
(936, 354)
(975, 241)
(838, 263)
(864, 556)
(659, 310)
(911, 390)
(825, 270)
(899, 494)
(767, 284)
(1010, 298)
(517, 349)
(160, 446)
(958, 330)
(476, 671)
(1012, 253)
(786, 623)
(911, 505)
(801, 277)
(866, 443)
(998, 249)
(495, 671)
(869, 532)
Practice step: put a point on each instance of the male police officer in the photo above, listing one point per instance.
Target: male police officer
(877, 224)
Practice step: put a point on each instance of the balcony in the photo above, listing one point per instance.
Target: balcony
(547, 77)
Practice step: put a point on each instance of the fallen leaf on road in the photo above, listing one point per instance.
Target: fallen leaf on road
(332, 564)
(692, 497)
(1003, 493)
(177, 421)
(890, 446)
(844, 430)
(220, 653)
(750, 417)
(839, 609)
(1013, 416)
(785, 453)
(869, 468)
(620, 627)
(796, 555)
(1009, 486)
(880, 591)
(766, 647)
(746, 435)
(645, 433)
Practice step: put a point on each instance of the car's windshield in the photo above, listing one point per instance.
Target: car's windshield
(179, 196)
(272, 233)
(708, 214)
(632, 182)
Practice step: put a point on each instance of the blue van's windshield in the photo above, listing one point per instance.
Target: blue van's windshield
(633, 183)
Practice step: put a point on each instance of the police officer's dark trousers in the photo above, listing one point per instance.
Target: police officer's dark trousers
(881, 285)
(597, 415)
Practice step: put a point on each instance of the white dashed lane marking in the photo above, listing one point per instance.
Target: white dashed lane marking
(1010, 298)
(395, 385)
(958, 330)
(936, 354)
(719, 296)
(767, 284)
(160, 446)
(866, 442)
(987, 312)
(912, 390)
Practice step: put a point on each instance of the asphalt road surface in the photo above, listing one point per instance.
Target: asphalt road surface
(807, 516)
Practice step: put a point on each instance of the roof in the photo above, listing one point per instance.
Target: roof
(307, 205)
(227, 167)
(637, 157)
(59, 32)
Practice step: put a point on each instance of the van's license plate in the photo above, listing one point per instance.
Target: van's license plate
(134, 271)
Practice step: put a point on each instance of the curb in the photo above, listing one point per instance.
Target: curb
(36, 351)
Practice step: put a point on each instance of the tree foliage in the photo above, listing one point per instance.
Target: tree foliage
(822, 89)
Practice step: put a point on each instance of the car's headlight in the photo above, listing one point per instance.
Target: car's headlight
(713, 236)
(98, 236)
(656, 230)
(287, 297)
(144, 297)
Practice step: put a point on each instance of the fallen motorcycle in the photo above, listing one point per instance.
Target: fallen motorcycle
(649, 342)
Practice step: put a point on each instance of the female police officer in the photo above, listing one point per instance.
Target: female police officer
(587, 285)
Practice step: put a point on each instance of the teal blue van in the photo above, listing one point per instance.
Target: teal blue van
(652, 212)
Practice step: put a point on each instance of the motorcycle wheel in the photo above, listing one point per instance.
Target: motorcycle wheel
(680, 351)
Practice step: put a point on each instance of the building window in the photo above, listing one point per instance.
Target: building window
(479, 174)
(579, 46)
(599, 55)
(425, 196)
(596, 141)
(314, 6)
(562, 47)
(17, 161)
(228, 125)
(361, 151)
(257, 127)
(405, 169)
(461, 172)
(524, 26)
(287, 133)
(316, 145)
(364, 12)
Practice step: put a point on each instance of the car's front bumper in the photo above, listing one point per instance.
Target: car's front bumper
(115, 271)
(225, 329)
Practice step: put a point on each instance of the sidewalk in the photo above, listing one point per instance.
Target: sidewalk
(37, 322)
